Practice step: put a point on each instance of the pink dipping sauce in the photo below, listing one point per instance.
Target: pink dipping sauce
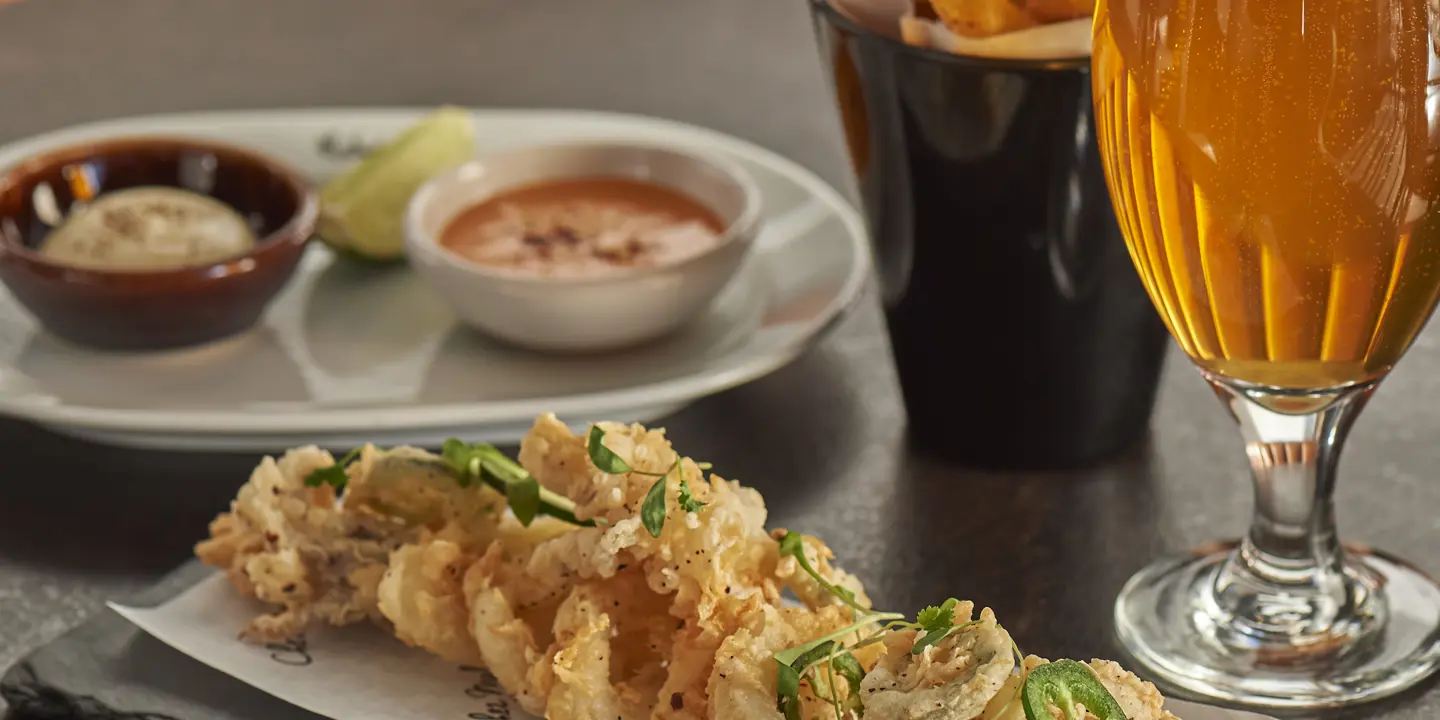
(583, 227)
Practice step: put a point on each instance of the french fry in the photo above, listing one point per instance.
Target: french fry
(982, 18)
(1049, 11)
(915, 32)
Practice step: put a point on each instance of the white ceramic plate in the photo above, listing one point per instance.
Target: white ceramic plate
(349, 353)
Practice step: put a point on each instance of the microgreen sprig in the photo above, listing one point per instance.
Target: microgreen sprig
(604, 458)
(824, 652)
(793, 545)
(654, 508)
(333, 475)
(831, 658)
(688, 503)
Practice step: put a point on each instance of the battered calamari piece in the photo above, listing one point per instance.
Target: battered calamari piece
(581, 686)
(712, 560)
(421, 595)
(742, 684)
(507, 643)
(321, 557)
(413, 486)
(951, 680)
(710, 567)
(294, 546)
(510, 638)
(1141, 700)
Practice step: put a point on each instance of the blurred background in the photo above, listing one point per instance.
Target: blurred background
(744, 68)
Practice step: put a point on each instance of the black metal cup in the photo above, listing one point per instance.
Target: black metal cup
(1021, 331)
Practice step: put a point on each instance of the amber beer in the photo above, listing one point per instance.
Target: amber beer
(1272, 175)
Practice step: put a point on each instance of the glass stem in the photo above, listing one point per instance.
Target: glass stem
(1289, 580)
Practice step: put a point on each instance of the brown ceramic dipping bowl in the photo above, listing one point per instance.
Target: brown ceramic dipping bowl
(133, 310)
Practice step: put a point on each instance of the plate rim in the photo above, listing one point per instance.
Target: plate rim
(681, 390)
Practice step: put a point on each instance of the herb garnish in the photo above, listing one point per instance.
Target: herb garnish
(652, 513)
(793, 544)
(655, 508)
(938, 623)
(333, 475)
(604, 458)
(787, 691)
(688, 503)
(828, 654)
(468, 463)
(832, 659)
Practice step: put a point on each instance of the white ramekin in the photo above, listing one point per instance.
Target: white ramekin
(621, 308)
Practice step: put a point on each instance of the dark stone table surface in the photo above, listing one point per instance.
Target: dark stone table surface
(824, 439)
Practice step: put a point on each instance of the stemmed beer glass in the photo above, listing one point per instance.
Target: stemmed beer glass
(1272, 167)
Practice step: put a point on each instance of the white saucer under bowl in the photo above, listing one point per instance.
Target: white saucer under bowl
(350, 353)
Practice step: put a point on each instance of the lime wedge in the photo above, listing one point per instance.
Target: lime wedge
(362, 209)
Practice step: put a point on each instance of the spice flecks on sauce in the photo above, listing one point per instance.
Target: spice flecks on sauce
(149, 228)
(589, 226)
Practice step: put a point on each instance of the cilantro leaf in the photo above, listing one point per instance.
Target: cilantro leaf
(688, 503)
(652, 512)
(938, 623)
(936, 618)
(603, 458)
(524, 500)
(333, 475)
(787, 691)
(938, 634)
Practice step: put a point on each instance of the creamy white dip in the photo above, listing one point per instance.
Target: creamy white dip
(149, 228)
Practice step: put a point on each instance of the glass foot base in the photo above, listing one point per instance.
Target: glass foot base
(1170, 619)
